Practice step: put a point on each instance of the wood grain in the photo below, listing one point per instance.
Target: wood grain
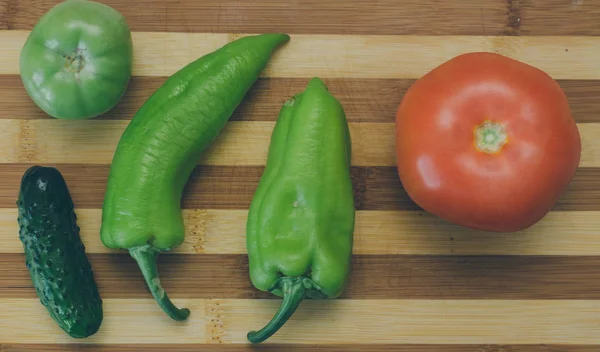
(418, 283)
(232, 187)
(239, 143)
(378, 277)
(274, 347)
(351, 56)
(211, 231)
(364, 100)
(306, 16)
(558, 17)
(426, 17)
(391, 321)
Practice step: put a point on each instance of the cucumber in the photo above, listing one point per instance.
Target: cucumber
(54, 253)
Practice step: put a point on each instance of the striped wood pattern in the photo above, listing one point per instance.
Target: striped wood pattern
(418, 283)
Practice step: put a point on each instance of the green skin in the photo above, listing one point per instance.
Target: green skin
(54, 253)
(301, 220)
(77, 61)
(162, 145)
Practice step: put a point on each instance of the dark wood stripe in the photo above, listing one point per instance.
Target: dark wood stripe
(296, 348)
(583, 99)
(558, 17)
(425, 17)
(372, 277)
(232, 187)
(306, 16)
(513, 18)
(364, 100)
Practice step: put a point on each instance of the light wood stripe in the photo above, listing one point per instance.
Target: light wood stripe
(280, 347)
(240, 142)
(212, 231)
(326, 322)
(351, 56)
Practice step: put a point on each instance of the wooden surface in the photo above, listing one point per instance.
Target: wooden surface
(418, 283)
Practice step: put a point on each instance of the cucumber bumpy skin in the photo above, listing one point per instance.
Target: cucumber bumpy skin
(54, 253)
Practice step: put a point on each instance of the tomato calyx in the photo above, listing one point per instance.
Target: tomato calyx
(490, 137)
(75, 62)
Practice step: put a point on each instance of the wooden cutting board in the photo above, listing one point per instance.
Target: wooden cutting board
(418, 283)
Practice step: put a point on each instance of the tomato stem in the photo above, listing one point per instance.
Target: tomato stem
(490, 137)
(75, 61)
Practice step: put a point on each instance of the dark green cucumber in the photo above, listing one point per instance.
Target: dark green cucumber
(54, 253)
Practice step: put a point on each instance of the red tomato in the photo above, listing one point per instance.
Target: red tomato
(486, 142)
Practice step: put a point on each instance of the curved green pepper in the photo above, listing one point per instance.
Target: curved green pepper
(163, 143)
(301, 220)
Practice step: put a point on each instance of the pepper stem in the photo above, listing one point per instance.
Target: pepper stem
(294, 290)
(146, 259)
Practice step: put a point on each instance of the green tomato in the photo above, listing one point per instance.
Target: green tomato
(77, 61)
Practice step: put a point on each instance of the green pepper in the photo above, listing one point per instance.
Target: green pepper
(161, 146)
(77, 61)
(300, 225)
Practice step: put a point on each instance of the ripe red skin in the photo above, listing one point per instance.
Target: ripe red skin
(446, 175)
